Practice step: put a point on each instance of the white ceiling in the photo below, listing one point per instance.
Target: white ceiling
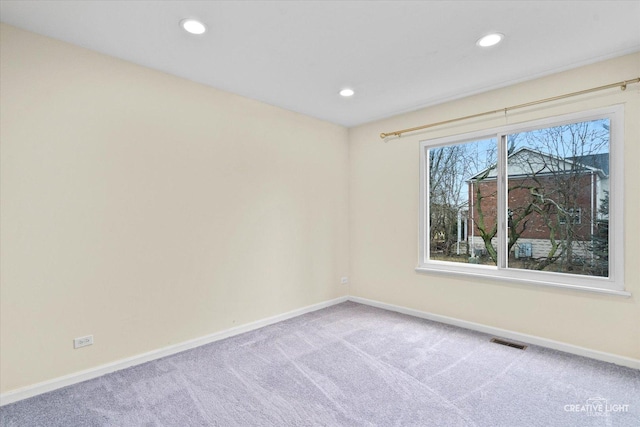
(397, 55)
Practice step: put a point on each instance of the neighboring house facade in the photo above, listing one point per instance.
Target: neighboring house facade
(551, 200)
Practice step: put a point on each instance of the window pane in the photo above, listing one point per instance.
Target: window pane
(558, 199)
(462, 229)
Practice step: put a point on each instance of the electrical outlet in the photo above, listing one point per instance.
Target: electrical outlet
(83, 341)
(344, 280)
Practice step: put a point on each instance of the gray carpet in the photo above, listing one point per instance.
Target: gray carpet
(348, 365)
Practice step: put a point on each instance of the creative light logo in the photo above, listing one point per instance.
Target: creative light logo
(597, 407)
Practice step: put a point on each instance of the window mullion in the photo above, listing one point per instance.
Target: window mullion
(425, 231)
(502, 202)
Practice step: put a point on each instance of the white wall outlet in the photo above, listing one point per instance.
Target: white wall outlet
(83, 341)
(344, 280)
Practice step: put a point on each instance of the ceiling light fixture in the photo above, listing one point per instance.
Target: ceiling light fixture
(490, 40)
(346, 92)
(192, 26)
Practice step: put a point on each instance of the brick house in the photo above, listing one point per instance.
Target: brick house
(548, 197)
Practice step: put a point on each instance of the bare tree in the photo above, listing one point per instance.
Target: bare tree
(446, 177)
(545, 185)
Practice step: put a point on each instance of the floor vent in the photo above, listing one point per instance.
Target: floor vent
(508, 343)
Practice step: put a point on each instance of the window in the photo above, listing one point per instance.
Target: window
(573, 215)
(538, 202)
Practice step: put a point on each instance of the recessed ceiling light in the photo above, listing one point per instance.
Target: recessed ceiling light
(192, 26)
(346, 92)
(490, 40)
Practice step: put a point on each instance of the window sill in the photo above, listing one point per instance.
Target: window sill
(490, 273)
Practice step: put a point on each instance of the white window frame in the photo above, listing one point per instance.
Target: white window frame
(614, 284)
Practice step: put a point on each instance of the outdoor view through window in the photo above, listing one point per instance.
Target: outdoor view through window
(556, 207)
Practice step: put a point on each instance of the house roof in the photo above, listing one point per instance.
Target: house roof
(597, 163)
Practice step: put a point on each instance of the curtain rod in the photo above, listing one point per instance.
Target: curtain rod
(622, 85)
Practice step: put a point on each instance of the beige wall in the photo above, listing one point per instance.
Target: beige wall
(148, 210)
(384, 220)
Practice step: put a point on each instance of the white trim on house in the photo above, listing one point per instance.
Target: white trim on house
(521, 150)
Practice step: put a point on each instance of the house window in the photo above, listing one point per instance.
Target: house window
(572, 215)
(538, 202)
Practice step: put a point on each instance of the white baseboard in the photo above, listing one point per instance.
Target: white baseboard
(504, 333)
(56, 383)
